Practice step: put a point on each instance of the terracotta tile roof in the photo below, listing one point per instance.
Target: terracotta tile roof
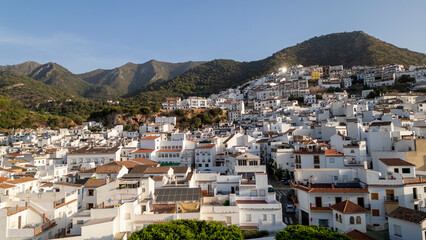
(157, 178)
(109, 169)
(156, 170)
(94, 183)
(395, 162)
(3, 179)
(127, 164)
(94, 151)
(91, 170)
(170, 150)
(144, 151)
(5, 185)
(332, 152)
(150, 138)
(358, 235)
(180, 169)
(408, 214)
(207, 146)
(143, 161)
(138, 169)
(348, 207)
(21, 180)
(251, 202)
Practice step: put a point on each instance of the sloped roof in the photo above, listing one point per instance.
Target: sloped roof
(395, 162)
(332, 152)
(156, 170)
(206, 146)
(139, 169)
(94, 183)
(109, 169)
(408, 214)
(150, 138)
(21, 180)
(180, 169)
(348, 207)
(144, 161)
(358, 235)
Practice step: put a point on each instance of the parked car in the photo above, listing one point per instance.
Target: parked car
(289, 208)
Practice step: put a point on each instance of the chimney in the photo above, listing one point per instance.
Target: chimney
(44, 217)
(365, 165)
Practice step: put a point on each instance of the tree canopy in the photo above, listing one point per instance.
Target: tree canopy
(188, 229)
(309, 232)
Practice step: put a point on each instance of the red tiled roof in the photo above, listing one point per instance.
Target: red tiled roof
(143, 161)
(5, 185)
(348, 207)
(144, 151)
(21, 180)
(357, 235)
(2, 179)
(170, 150)
(206, 146)
(395, 162)
(150, 138)
(332, 152)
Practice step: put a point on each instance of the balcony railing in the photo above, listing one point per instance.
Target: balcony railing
(43, 227)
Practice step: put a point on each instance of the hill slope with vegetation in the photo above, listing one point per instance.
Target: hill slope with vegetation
(349, 49)
(132, 76)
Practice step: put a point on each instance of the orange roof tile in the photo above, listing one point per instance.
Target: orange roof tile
(3, 179)
(206, 146)
(150, 138)
(143, 161)
(144, 151)
(21, 180)
(170, 150)
(332, 152)
(348, 207)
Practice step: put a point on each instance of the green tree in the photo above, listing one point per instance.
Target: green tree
(145, 110)
(189, 230)
(216, 112)
(309, 232)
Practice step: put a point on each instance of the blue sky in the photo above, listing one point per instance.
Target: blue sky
(86, 35)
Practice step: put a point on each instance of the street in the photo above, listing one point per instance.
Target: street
(282, 192)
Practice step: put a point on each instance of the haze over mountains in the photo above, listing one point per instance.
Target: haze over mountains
(155, 80)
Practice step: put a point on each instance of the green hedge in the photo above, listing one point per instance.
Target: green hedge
(188, 229)
(248, 234)
(309, 232)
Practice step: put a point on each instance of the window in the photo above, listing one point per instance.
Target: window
(253, 192)
(337, 217)
(415, 196)
(351, 220)
(90, 206)
(264, 217)
(80, 222)
(318, 202)
(340, 218)
(323, 222)
(374, 196)
(248, 217)
(375, 212)
(261, 192)
(337, 199)
(396, 170)
(90, 192)
(406, 170)
(358, 220)
(331, 160)
(316, 159)
(397, 230)
(228, 220)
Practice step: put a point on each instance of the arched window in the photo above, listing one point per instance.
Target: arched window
(352, 220)
(337, 217)
(340, 218)
(358, 220)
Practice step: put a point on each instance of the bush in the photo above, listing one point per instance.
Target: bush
(188, 229)
(248, 234)
(309, 232)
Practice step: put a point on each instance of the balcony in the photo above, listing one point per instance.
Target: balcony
(391, 199)
(320, 209)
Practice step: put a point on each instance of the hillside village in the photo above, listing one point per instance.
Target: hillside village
(311, 145)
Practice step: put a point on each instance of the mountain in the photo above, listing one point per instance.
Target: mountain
(55, 75)
(348, 48)
(20, 88)
(132, 76)
(25, 68)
